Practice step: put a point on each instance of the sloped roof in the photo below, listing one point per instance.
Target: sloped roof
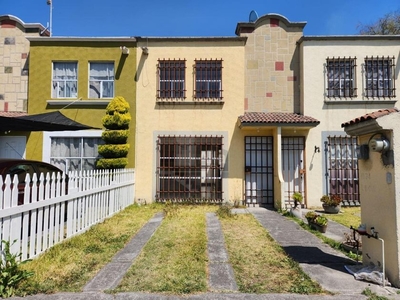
(371, 116)
(276, 118)
(12, 113)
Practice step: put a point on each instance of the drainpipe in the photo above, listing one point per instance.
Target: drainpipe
(383, 261)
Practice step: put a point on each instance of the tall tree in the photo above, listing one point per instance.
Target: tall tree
(389, 24)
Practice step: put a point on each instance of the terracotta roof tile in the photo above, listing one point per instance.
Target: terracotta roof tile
(276, 118)
(12, 114)
(371, 116)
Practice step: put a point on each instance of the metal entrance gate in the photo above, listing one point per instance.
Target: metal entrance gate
(259, 182)
(292, 167)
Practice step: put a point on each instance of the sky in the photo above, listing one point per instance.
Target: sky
(188, 18)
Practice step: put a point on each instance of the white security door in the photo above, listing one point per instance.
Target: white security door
(259, 170)
(12, 146)
(293, 167)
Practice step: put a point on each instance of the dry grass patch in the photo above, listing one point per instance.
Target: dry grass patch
(260, 264)
(174, 261)
(68, 266)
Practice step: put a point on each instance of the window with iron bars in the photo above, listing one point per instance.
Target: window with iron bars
(189, 167)
(341, 77)
(208, 79)
(171, 79)
(379, 77)
(342, 167)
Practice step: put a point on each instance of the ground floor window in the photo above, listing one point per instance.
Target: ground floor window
(72, 150)
(189, 168)
(342, 166)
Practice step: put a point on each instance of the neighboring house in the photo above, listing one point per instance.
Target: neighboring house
(79, 77)
(14, 71)
(343, 77)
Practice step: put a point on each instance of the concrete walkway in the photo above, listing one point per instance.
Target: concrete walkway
(319, 261)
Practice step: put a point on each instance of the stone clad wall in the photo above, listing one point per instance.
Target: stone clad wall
(14, 63)
(272, 65)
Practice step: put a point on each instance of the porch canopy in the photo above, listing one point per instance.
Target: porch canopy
(257, 119)
(51, 121)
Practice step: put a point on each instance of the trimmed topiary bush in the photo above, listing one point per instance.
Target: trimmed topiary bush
(111, 151)
(115, 136)
(116, 121)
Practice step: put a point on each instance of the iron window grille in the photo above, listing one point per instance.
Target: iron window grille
(379, 77)
(171, 79)
(341, 77)
(208, 79)
(189, 167)
(342, 168)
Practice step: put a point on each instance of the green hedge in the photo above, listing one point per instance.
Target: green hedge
(115, 136)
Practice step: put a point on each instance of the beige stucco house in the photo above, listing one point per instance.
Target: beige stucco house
(343, 77)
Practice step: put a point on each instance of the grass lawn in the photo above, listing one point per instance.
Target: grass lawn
(174, 261)
(68, 266)
(348, 216)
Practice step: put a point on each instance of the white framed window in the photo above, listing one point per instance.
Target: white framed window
(65, 80)
(72, 150)
(101, 80)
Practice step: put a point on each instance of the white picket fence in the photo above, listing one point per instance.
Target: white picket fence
(53, 210)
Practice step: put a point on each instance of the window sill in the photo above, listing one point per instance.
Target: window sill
(354, 101)
(176, 101)
(78, 102)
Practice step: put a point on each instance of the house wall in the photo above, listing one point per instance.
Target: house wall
(43, 53)
(333, 112)
(272, 65)
(189, 118)
(379, 189)
(14, 62)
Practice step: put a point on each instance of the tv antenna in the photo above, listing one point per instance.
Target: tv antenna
(50, 3)
(253, 16)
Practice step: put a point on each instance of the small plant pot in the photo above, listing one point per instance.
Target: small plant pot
(329, 209)
(296, 212)
(351, 248)
(318, 227)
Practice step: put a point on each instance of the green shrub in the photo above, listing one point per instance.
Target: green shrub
(112, 163)
(115, 136)
(118, 104)
(117, 121)
(11, 273)
(113, 151)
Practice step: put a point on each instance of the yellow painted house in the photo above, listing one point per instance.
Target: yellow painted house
(78, 77)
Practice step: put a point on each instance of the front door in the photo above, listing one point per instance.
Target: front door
(293, 168)
(259, 170)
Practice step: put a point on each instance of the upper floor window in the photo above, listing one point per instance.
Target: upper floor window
(171, 79)
(379, 77)
(208, 79)
(101, 80)
(65, 80)
(341, 77)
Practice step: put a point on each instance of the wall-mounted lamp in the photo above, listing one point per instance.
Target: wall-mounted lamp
(124, 50)
(145, 50)
(316, 149)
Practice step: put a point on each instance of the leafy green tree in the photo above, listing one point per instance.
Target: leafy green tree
(116, 122)
(389, 24)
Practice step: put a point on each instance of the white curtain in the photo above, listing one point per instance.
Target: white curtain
(101, 80)
(65, 80)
